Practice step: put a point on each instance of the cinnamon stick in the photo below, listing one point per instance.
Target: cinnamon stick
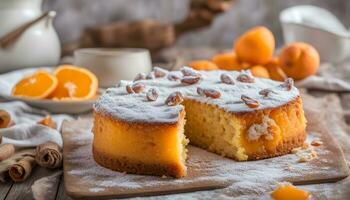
(22, 169)
(6, 164)
(48, 121)
(5, 119)
(6, 151)
(49, 155)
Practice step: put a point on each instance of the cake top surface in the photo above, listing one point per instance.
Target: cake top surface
(245, 94)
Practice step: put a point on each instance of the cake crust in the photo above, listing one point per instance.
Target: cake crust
(284, 148)
(123, 164)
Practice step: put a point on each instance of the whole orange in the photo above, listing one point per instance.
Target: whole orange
(299, 60)
(256, 46)
(259, 71)
(203, 65)
(227, 61)
(274, 69)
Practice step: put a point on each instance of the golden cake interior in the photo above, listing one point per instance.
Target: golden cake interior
(228, 134)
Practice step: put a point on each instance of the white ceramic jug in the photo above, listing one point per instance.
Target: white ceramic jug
(37, 46)
(318, 27)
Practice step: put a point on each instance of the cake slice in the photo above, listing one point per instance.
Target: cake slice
(140, 148)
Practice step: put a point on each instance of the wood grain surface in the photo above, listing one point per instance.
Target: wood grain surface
(206, 170)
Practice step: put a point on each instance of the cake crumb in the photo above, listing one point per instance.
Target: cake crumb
(316, 143)
(305, 153)
(265, 129)
(164, 176)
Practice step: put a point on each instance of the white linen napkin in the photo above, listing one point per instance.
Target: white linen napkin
(26, 132)
(331, 77)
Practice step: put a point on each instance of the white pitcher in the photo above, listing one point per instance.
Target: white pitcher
(318, 27)
(37, 46)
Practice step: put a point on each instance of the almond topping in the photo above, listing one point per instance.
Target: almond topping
(140, 76)
(152, 94)
(245, 77)
(129, 89)
(190, 79)
(212, 93)
(200, 91)
(159, 72)
(288, 84)
(227, 79)
(173, 77)
(138, 87)
(250, 102)
(187, 71)
(150, 76)
(265, 92)
(174, 98)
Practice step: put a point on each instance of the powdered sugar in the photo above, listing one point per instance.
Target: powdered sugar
(204, 168)
(135, 107)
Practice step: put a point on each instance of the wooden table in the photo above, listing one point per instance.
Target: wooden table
(23, 190)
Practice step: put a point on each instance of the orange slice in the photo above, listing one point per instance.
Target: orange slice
(36, 86)
(74, 83)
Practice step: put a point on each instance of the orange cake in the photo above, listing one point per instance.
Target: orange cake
(143, 126)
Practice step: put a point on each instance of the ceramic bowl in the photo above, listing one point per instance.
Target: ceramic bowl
(112, 65)
(318, 27)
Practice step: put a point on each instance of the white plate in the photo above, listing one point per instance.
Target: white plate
(8, 80)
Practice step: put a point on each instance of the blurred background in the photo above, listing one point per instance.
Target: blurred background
(76, 15)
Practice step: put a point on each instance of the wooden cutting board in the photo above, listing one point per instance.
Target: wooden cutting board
(84, 179)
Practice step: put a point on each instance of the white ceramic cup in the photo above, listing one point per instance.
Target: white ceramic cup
(112, 65)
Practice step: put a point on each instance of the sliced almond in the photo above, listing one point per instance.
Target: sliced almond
(173, 77)
(138, 87)
(245, 77)
(152, 94)
(140, 76)
(288, 84)
(174, 98)
(159, 72)
(129, 89)
(187, 71)
(250, 102)
(265, 92)
(212, 93)
(190, 79)
(200, 91)
(227, 79)
(150, 76)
